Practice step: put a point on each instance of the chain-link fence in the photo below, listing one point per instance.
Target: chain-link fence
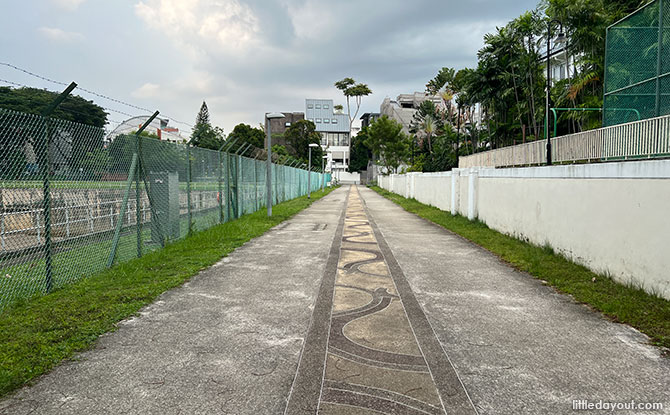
(71, 204)
(637, 65)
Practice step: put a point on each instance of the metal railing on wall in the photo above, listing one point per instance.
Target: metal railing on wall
(637, 140)
(72, 205)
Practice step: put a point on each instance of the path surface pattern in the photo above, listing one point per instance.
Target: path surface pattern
(374, 360)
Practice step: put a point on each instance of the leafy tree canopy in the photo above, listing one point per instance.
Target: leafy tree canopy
(351, 89)
(35, 101)
(245, 133)
(360, 153)
(386, 138)
(299, 136)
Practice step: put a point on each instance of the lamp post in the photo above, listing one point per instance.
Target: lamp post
(559, 39)
(323, 171)
(309, 171)
(268, 178)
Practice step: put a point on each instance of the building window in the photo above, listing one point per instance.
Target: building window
(326, 120)
(311, 119)
(318, 120)
(334, 120)
(318, 106)
(288, 124)
(310, 106)
(325, 106)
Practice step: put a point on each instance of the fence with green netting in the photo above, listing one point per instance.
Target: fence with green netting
(637, 65)
(72, 204)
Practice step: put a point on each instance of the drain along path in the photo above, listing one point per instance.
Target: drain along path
(374, 349)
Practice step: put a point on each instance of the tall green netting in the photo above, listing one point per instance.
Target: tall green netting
(637, 65)
(72, 203)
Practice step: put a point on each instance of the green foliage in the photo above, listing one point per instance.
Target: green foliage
(442, 79)
(38, 334)
(298, 138)
(622, 303)
(509, 81)
(245, 133)
(203, 114)
(84, 131)
(34, 101)
(389, 142)
(351, 89)
(279, 150)
(360, 153)
(204, 135)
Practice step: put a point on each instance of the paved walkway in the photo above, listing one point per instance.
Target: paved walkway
(355, 306)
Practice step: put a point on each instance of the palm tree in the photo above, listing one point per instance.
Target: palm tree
(428, 128)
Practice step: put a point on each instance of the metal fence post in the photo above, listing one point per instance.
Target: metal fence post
(133, 174)
(255, 185)
(240, 204)
(659, 61)
(138, 196)
(220, 185)
(188, 186)
(46, 176)
(229, 209)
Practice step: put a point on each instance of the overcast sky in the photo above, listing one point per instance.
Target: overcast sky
(244, 57)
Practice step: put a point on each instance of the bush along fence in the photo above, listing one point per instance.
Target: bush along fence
(72, 203)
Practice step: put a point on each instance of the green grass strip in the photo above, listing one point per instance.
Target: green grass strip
(621, 303)
(37, 334)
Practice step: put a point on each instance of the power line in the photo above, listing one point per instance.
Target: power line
(11, 83)
(44, 78)
(69, 109)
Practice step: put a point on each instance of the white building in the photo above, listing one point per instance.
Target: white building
(334, 130)
(158, 126)
(403, 108)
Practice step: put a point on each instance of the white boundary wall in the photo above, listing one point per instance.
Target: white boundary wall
(613, 218)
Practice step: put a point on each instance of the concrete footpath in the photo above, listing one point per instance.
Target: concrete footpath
(355, 306)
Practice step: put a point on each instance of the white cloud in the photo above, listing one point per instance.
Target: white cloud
(59, 35)
(68, 4)
(147, 90)
(223, 25)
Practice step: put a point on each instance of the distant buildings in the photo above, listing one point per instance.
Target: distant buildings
(280, 125)
(403, 108)
(335, 132)
(368, 118)
(158, 126)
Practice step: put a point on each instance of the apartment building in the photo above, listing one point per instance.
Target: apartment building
(335, 132)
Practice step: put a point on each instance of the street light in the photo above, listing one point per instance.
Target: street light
(323, 171)
(309, 171)
(559, 39)
(268, 179)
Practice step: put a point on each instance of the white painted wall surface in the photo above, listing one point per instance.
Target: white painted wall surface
(430, 187)
(613, 218)
(346, 177)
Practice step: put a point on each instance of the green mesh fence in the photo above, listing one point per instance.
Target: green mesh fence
(637, 65)
(71, 204)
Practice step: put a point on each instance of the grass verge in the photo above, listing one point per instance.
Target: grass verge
(621, 303)
(37, 334)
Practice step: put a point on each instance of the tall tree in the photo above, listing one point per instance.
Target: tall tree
(351, 89)
(360, 153)
(204, 135)
(389, 142)
(244, 133)
(298, 138)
